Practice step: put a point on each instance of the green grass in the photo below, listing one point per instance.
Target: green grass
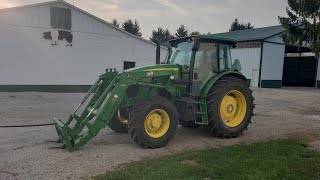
(279, 159)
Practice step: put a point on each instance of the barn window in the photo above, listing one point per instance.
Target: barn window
(60, 18)
(128, 65)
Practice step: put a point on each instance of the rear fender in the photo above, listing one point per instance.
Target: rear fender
(207, 86)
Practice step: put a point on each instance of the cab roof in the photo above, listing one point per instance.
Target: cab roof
(212, 38)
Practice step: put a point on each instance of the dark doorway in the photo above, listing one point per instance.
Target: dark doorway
(128, 65)
(299, 71)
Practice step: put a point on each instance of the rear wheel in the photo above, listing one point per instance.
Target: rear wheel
(153, 122)
(230, 107)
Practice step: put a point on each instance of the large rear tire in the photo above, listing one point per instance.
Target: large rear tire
(153, 122)
(230, 107)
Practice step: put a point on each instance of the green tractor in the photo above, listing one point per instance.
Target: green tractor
(197, 86)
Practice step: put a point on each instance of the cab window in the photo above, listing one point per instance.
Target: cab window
(206, 60)
(224, 57)
(181, 54)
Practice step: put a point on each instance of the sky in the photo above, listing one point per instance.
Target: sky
(205, 16)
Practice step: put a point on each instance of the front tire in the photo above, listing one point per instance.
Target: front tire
(230, 107)
(117, 126)
(153, 122)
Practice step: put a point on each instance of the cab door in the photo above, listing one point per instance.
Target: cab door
(225, 61)
(205, 66)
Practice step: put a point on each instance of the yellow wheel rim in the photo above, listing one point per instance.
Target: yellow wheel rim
(233, 108)
(157, 123)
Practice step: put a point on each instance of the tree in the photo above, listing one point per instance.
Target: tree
(115, 23)
(302, 24)
(194, 33)
(236, 26)
(132, 27)
(181, 32)
(162, 36)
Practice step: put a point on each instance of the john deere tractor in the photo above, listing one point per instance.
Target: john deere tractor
(197, 86)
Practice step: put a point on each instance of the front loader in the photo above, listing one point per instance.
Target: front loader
(197, 86)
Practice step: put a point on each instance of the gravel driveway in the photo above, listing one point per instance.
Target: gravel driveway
(24, 154)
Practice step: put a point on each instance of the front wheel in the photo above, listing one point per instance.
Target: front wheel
(230, 107)
(153, 122)
(118, 123)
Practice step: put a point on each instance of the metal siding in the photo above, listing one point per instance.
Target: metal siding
(250, 62)
(37, 16)
(272, 61)
(29, 59)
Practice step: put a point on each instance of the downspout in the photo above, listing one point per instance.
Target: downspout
(260, 66)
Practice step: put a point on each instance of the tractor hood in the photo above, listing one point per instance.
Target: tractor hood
(162, 67)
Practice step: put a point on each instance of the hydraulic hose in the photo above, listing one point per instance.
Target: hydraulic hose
(27, 125)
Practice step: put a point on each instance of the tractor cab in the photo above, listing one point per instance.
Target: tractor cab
(200, 58)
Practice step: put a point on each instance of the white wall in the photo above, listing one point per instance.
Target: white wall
(250, 62)
(29, 59)
(273, 60)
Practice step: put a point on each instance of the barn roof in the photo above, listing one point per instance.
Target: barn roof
(253, 34)
(85, 12)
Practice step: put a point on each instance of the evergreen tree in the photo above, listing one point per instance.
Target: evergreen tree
(236, 26)
(115, 23)
(303, 24)
(162, 36)
(194, 33)
(132, 27)
(181, 32)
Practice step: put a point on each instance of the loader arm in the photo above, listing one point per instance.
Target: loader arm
(96, 115)
(109, 92)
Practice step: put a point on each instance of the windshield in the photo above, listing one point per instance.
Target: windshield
(181, 54)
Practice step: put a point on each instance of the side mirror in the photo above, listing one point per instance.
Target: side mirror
(236, 66)
(196, 45)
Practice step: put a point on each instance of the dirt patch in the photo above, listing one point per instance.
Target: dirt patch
(306, 136)
(8, 175)
(315, 145)
(190, 162)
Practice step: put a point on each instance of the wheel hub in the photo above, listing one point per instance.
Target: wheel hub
(233, 108)
(230, 108)
(157, 123)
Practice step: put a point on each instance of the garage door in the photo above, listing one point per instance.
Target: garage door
(299, 71)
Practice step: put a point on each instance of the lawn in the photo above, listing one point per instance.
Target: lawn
(279, 159)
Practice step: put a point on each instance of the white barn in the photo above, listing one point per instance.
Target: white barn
(268, 63)
(57, 47)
